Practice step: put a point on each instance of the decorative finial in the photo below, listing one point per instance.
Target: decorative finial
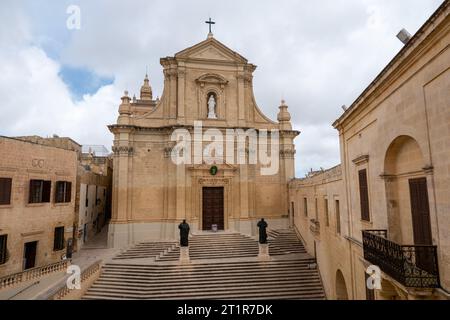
(125, 93)
(146, 89)
(284, 116)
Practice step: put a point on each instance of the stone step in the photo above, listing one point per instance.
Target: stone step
(295, 261)
(193, 291)
(212, 276)
(136, 281)
(283, 294)
(216, 276)
(207, 266)
(286, 295)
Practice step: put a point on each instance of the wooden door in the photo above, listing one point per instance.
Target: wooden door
(212, 208)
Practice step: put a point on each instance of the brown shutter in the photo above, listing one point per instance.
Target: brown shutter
(56, 239)
(5, 191)
(338, 217)
(31, 191)
(46, 189)
(3, 248)
(364, 195)
(68, 191)
(58, 186)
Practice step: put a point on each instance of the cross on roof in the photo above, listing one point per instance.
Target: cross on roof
(210, 22)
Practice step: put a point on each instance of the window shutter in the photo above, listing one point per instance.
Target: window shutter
(68, 191)
(46, 189)
(31, 192)
(58, 243)
(338, 217)
(5, 190)
(3, 248)
(364, 195)
(58, 186)
(55, 240)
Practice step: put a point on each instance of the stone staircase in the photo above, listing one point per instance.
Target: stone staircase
(285, 279)
(216, 246)
(146, 250)
(284, 242)
(223, 266)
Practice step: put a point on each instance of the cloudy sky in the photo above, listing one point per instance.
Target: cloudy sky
(317, 55)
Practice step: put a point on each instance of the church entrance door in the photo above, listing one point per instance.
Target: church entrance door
(212, 207)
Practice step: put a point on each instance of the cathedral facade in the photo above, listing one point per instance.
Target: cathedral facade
(235, 162)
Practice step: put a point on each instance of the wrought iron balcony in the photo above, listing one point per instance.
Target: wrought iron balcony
(411, 265)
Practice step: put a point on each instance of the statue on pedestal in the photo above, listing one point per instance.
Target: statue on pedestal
(184, 234)
(262, 225)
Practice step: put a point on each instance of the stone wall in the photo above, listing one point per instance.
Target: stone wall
(24, 222)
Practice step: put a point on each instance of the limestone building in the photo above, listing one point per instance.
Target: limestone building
(36, 203)
(93, 197)
(211, 85)
(388, 203)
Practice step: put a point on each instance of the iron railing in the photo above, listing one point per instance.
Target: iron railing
(411, 265)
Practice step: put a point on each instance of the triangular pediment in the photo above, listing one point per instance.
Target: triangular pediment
(211, 49)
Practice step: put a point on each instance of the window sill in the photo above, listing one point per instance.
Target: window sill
(39, 204)
(6, 206)
(62, 204)
(366, 222)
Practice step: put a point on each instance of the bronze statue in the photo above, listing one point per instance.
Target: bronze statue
(262, 225)
(184, 234)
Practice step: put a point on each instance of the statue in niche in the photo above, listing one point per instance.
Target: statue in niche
(212, 107)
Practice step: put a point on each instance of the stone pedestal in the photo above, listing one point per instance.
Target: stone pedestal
(184, 255)
(263, 252)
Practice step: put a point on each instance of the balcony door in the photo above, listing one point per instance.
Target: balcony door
(420, 211)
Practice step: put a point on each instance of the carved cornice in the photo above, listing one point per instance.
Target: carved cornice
(387, 177)
(123, 150)
(289, 133)
(428, 169)
(206, 167)
(287, 153)
(212, 78)
(361, 159)
(213, 181)
(246, 77)
(170, 73)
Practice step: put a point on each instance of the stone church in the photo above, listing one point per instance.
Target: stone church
(210, 84)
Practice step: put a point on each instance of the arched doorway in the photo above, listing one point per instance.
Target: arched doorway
(406, 193)
(341, 288)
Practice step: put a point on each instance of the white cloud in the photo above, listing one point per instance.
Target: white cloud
(317, 55)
